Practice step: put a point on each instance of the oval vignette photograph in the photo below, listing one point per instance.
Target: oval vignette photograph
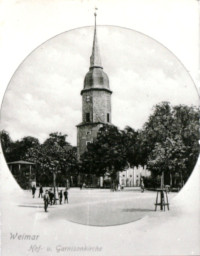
(100, 127)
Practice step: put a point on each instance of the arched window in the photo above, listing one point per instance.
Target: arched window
(87, 117)
(108, 117)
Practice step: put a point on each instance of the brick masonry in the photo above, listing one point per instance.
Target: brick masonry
(98, 104)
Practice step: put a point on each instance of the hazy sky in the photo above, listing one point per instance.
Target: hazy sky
(44, 93)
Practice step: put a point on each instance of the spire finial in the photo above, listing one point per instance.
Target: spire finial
(95, 60)
(95, 12)
(95, 16)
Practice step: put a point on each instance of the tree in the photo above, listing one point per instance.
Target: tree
(55, 157)
(6, 143)
(186, 126)
(131, 146)
(17, 150)
(156, 129)
(169, 141)
(107, 155)
(167, 158)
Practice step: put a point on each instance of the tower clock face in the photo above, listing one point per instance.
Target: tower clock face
(87, 98)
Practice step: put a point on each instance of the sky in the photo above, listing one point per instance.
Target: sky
(44, 93)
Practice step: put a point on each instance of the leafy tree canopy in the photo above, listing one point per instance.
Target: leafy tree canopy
(169, 140)
(112, 151)
(17, 150)
(54, 155)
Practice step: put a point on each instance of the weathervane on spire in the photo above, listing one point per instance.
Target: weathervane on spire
(95, 60)
(95, 12)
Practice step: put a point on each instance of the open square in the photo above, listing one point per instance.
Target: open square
(98, 207)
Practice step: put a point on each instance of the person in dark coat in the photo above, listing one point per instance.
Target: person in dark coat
(40, 192)
(142, 184)
(33, 191)
(51, 196)
(60, 196)
(65, 196)
(46, 200)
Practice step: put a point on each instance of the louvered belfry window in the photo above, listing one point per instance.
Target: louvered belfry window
(87, 117)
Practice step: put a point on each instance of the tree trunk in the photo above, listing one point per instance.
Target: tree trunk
(54, 186)
(171, 180)
(101, 181)
(162, 180)
(181, 179)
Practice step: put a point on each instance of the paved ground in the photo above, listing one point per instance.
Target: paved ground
(99, 207)
(58, 232)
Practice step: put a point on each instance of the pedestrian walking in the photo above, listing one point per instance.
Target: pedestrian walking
(142, 185)
(40, 192)
(33, 191)
(118, 187)
(60, 196)
(46, 200)
(65, 196)
(51, 196)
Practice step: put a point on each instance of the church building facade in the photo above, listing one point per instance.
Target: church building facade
(96, 111)
(96, 100)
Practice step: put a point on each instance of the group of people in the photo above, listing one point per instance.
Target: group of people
(34, 190)
(49, 196)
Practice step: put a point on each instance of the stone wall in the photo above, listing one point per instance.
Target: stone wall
(97, 104)
(101, 106)
(85, 134)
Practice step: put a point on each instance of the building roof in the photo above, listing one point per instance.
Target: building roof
(20, 162)
(95, 59)
(89, 123)
(96, 77)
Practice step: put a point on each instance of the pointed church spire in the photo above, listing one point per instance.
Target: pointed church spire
(95, 59)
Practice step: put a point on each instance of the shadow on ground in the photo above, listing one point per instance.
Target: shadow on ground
(137, 210)
(32, 206)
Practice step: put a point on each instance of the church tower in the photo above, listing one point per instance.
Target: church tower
(96, 100)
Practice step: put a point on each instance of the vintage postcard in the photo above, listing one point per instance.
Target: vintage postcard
(99, 127)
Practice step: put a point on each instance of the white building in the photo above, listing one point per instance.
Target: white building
(131, 176)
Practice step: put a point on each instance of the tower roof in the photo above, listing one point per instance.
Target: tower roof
(96, 78)
(95, 59)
